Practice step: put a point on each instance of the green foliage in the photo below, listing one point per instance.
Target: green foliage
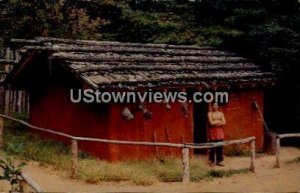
(15, 125)
(18, 142)
(270, 29)
(266, 31)
(238, 152)
(222, 173)
(11, 172)
(49, 18)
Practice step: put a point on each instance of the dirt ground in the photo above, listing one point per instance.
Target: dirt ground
(265, 179)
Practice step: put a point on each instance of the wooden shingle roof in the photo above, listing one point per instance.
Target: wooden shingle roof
(104, 64)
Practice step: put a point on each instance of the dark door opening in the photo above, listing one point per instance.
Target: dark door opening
(200, 125)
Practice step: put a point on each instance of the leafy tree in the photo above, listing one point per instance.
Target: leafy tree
(28, 19)
(265, 30)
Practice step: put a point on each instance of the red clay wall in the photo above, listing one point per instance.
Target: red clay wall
(54, 110)
(179, 127)
(242, 118)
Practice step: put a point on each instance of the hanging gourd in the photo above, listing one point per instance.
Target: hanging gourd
(184, 105)
(184, 109)
(126, 114)
(146, 112)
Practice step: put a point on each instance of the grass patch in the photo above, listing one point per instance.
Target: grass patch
(27, 146)
(238, 152)
(226, 173)
(293, 161)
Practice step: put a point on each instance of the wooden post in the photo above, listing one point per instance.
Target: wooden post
(23, 101)
(169, 141)
(252, 163)
(74, 157)
(11, 94)
(27, 103)
(1, 132)
(7, 53)
(277, 165)
(28, 185)
(6, 102)
(19, 102)
(7, 68)
(24, 186)
(156, 147)
(185, 165)
(14, 101)
(12, 57)
(17, 56)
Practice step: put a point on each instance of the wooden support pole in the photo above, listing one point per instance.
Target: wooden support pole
(185, 165)
(7, 68)
(169, 141)
(74, 157)
(155, 141)
(12, 56)
(10, 103)
(14, 101)
(277, 165)
(17, 56)
(6, 102)
(24, 186)
(252, 163)
(1, 132)
(7, 53)
(19, 102)
(23, 101)
(28, 103)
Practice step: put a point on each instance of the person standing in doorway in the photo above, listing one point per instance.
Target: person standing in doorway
(216, 121)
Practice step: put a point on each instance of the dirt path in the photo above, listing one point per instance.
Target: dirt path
(266, 179)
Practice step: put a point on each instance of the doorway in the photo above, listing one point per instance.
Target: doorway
(200, 125)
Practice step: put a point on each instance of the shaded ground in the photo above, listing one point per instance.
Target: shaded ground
(266, 178)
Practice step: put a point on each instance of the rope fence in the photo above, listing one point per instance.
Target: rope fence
(184, 146)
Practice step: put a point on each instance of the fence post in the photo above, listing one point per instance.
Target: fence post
(7, 53)
(27, 185)
(24, 186)
(252, 163)
(6, 101)
(74, 157)
(17, 56)
(1, 132)
(185, 165)
(277, 165)
(19, 102)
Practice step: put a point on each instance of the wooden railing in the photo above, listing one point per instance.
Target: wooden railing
(27, 184)
(279, 137)
(184, 146)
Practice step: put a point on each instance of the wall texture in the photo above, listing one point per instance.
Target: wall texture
(53, 109)
(242, 118)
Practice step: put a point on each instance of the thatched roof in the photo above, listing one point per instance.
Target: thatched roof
(104, 64)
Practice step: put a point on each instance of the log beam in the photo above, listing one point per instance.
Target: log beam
(185, 165)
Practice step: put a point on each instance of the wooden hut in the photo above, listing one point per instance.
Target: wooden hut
(50, 67)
